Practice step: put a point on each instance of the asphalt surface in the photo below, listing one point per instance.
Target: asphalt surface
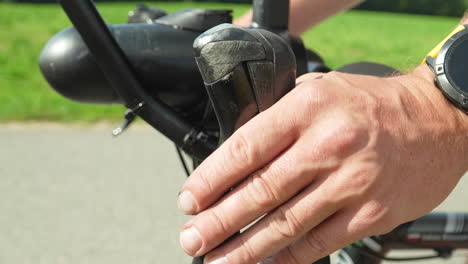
(76, 195)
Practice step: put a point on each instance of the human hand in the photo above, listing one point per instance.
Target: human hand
(337, 159)
(245, 20)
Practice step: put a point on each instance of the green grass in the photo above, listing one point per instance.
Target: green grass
(394, 39)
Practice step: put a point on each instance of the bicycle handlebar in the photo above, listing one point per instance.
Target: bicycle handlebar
(119, 73)
(127, 87)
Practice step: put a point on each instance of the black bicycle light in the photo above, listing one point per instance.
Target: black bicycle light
(161, 57)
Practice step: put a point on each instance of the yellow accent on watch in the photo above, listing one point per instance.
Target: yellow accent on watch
(435, 52)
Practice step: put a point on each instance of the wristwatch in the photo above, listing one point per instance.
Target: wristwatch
(449, 62)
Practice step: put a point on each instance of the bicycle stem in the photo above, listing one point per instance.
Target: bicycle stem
(272, 15)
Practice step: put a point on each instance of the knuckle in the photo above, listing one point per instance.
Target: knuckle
(290, 257)
(248, 254)
(218, 222)
(205, 183)
(344, 136)
(240, 149)
(316, 244)
(312, 93)
(350, 134)
(355, 185)
(261, 191)
(318, 92)
(286, 224)
(375, 213)
(374, 219)
(336, 76)
(362, 183)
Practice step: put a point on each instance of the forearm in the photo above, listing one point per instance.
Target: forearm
(464, 20)
(456, 120)
(307, 13)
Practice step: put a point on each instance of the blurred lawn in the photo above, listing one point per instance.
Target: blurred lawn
(394, 39)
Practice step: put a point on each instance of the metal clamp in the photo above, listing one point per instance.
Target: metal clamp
(130, 116)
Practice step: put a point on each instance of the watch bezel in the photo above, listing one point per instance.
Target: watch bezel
(439, 67)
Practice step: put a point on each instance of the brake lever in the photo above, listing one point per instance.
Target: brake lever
(245, 72)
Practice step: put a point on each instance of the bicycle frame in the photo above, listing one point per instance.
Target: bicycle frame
(441, 232)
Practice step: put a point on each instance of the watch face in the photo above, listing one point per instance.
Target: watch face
(457, 64)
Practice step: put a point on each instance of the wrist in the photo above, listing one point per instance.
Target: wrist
(455, 120)
(464, 21)
(245, 20)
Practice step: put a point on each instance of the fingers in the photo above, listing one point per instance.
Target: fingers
(333, 234)
(342, 229)
(250, 148)
(263, 191)
(278, 229)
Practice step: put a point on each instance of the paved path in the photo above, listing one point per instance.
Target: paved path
(79, 196)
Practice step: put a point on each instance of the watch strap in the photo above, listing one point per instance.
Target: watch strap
(435, 52)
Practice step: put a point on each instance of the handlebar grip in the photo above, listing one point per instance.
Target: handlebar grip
(245, 71)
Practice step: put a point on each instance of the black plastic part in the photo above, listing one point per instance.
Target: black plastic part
(442, 232)
(315, 63)
(129, 117)
(271, 15)
(245, 72)
(145, 14)
(198, 20)
(198, 260)
(120, 74)
(233, 106)
(274, 16)
(325, 260)
(436, 230)
(300, 52)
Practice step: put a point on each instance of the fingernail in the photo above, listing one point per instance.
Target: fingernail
(222, 260)
(190, 241)
(187, 203)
